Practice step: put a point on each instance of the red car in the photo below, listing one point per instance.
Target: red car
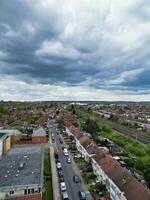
(103, 198)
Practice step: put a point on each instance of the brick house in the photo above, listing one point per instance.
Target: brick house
(39, 136)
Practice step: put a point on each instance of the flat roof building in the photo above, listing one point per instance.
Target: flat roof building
(21, 173)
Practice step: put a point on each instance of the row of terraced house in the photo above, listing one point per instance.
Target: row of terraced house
(119, 181)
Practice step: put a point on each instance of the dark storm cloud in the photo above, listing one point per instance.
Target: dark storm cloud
(44, 44)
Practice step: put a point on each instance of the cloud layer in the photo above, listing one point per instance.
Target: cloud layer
(86, 46)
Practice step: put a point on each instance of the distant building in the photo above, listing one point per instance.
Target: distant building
(21, 173)
(39, 136)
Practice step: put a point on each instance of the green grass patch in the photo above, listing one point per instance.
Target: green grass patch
(48, 193)
(80, 162)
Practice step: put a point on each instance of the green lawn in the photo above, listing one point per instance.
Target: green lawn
(48, 194)
(80, 162)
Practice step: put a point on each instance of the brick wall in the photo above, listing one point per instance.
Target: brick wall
(39, 139)
(28, 197)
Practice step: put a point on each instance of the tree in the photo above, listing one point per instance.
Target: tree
(146, 173)
(2, 110)
(73, 111)
(60, 122)
(90, 126)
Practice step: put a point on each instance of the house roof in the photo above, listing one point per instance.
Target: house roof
(128, 184)
(123, 178)
(92, 149)
(75, 132)
(135, 190)
(84, 141)
(39, 132)
(100, 153)
(107, 163)
(31, 173)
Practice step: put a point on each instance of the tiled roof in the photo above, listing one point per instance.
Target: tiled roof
(75, 132)
(84, 141)
(107, 163)
(135, 190)
(128, 184)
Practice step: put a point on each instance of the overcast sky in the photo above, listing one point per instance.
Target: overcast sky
(75, 50)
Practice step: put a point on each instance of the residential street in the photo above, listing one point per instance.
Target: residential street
(68, 170)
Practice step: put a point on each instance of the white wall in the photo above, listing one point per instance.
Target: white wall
(1, 147)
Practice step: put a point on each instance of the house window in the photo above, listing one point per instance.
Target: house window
(32, 190)
(11, 192)
(25, 192)
(29, 191)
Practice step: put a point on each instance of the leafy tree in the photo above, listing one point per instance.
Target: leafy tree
(73, 111)
(146, 173)
(90, 126)
(60, 122)
(2, 110)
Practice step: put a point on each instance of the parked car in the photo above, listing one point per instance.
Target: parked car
(76, 179)
(58, 165)
(60, 173)
(62, 186)
(53, 139)
(87, 169)
(65, 151)
(60, 140)
(65, 196)
(61, 179)
(103, 198)
(82, 195)
(68, 160)
(57, 161)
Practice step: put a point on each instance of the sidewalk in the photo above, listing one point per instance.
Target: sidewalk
(55, 183)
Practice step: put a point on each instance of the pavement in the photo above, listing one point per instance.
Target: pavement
(55, 183)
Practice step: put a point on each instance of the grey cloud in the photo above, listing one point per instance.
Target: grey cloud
(101, 57)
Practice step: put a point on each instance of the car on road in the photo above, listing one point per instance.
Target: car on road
(76, 179)
(65, 196)
(62, 186)
(58, 165)
(82, 195)
(65, 151)
(68, 160)
(60, 173)
(57, 161)
(53, 139)
(61, 179)
(60, 140)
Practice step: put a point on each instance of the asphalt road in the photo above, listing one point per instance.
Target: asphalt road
(68, 171)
